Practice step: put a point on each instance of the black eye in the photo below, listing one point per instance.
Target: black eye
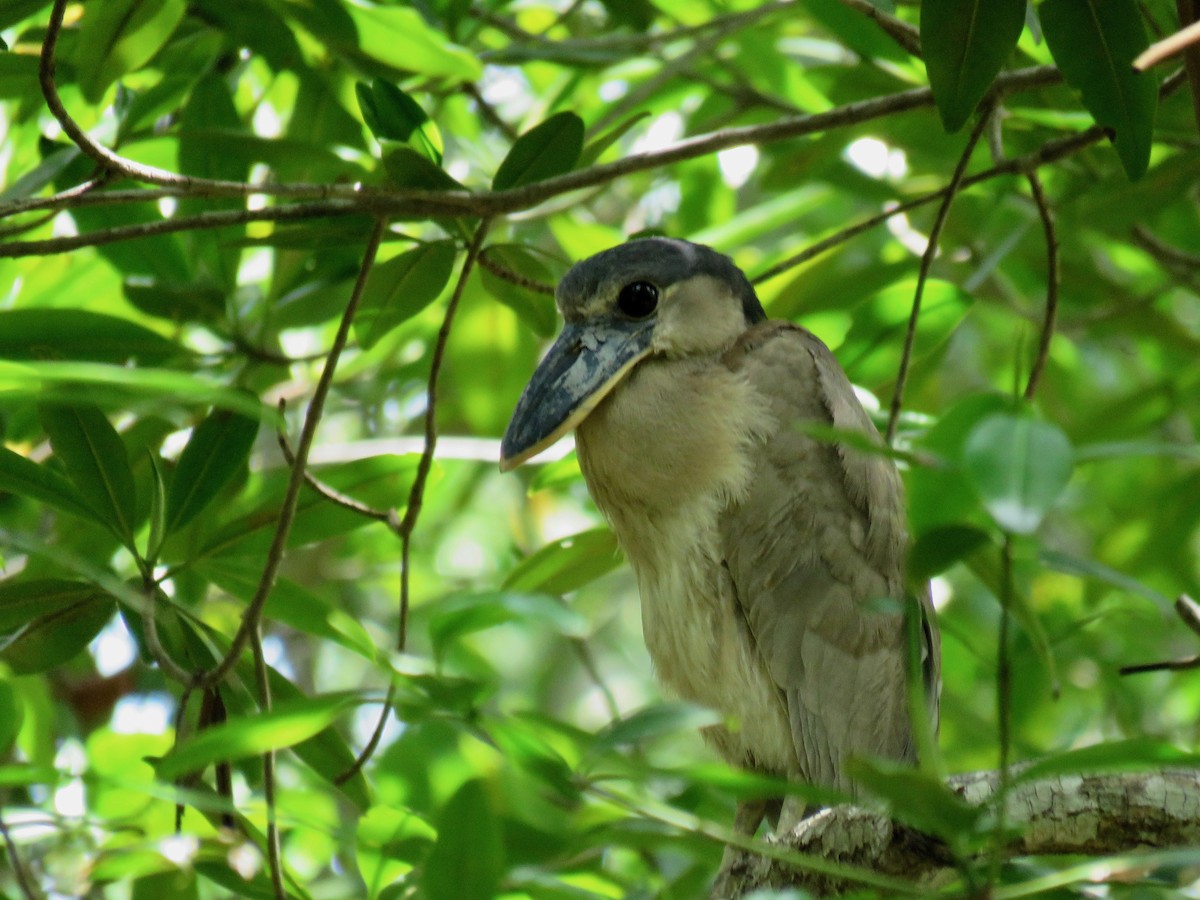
(638, 300)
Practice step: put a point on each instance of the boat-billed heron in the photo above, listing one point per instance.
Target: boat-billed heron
(761, 552)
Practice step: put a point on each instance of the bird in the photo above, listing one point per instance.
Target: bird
(764, 552)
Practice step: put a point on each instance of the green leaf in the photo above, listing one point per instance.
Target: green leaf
(12, 714)
(548, 149)
(965, 42)
(401, 287)
(55, 637)
(468, 859)
(158, 510)
(96, 462)
(26, 478)
(1019, 466)
(597, 146)
(1133, 755)
(289, 723)
(23, 599)
(566, 564)
(112, 386)
(1094, 43)
(939, 548)
(389, 843)
(290, 603)
(406, 168)
(536, 309)
(455, 617)
(399, 37)
(654, 722)
(120, 36)
(943, 495)
(919, 799)
(218, 448)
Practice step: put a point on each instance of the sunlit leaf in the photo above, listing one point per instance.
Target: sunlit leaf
(80, 334)
(119, 36)
(288, 723)
(920, 800)
(566, 564)
(1133, 755)
(26, 478)
(514, 285)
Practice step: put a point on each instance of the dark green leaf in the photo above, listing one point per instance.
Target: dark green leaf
(406, 168)
(943, 495)
(288, 723)
(965, 42)
(468, 859)
(217, 449)
(22, 599)
(96, 462)
(1094, 43)
(12, 713)
(566, 564)
(26, 478)
(549, 149)
(79, 334)
(939, 548)
(53, 638)
(1019, 466)
(393, 115)
(401, 287)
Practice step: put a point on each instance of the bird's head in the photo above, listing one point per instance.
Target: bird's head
(653, 296)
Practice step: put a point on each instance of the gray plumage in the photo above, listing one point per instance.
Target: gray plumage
(758, 549)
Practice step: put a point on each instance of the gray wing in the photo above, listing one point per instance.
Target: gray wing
(819, 536)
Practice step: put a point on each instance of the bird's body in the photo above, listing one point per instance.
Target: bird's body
(765, 556)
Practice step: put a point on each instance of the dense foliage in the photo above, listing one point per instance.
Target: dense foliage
(442, 163)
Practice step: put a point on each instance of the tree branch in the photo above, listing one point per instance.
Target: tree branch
(1095, 815)
(416, 493)
(287, 513)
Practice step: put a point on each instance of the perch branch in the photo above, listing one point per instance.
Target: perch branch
(1092, 815)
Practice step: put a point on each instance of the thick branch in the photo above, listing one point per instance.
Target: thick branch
(1094, 815)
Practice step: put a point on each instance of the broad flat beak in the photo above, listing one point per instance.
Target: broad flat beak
(586, 362)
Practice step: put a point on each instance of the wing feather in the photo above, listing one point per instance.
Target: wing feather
(820, 535)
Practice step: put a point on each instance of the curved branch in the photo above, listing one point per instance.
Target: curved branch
(935, 233)
(1047, 333)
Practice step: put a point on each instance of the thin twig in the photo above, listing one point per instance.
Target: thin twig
(262, 676)
(1169, 46)
(1048, 321)
(331, 494)
(1003, 703)
(287, 512)
(507, 274)
(416, 493)
(1188, 611)
(1164, 252)
(28, 891)
(935, 233)
(907, 36)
